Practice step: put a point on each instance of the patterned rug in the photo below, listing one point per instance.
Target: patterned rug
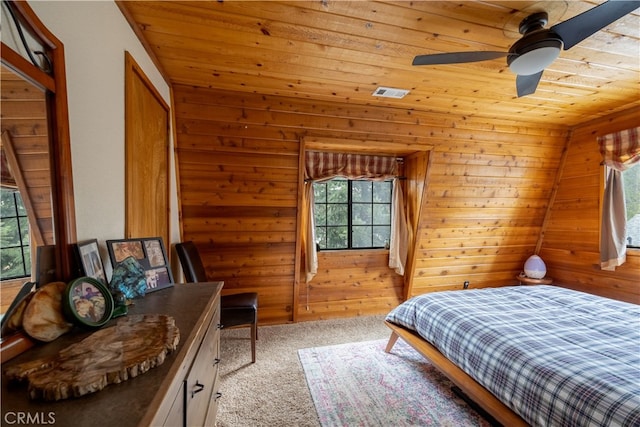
(358, 384)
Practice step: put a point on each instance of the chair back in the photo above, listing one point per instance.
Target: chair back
(191, 262)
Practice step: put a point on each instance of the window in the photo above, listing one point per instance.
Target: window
(631, 183)
(15, 253)
(352, 214)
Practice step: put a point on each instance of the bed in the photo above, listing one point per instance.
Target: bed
(531, 355)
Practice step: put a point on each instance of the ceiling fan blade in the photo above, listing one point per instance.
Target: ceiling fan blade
(574, 30)
(457, 57)
(526, 85)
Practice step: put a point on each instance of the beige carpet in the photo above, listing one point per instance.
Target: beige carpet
(273, 391)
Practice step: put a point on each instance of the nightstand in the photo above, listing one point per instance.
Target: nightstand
(524, 280)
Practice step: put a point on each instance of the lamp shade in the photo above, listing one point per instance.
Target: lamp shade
(534, 267)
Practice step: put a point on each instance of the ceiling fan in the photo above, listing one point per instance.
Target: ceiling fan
(539, 47)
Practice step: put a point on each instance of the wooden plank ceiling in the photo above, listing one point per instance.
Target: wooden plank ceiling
(342, 51)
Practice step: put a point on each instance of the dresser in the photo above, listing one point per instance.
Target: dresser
(182, 391)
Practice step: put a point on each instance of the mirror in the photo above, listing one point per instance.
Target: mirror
(38, 213)
(26, 207)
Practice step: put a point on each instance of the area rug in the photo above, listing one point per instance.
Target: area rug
(358, 384)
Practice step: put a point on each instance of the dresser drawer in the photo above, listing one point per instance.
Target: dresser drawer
(215, 395)
(176, 413)
(201, 381)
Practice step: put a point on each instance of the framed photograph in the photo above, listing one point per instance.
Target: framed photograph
(150, 253)
(89, 261)
(87, 302)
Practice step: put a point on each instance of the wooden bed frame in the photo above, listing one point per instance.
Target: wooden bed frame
(480, 395)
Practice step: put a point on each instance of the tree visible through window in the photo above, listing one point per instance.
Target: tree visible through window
(631, 183)
(352, 214)
(15, 252)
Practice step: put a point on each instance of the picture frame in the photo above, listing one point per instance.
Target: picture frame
(87, 302)
(89, 260)
(150, 252)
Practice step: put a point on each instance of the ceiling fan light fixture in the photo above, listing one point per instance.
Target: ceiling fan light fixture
(533, 53)
(534, 61)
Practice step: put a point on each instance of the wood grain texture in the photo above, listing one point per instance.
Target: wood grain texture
(341, 51)
(111, 355)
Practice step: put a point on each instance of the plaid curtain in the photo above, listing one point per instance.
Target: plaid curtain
(322, 165)
(620, 151)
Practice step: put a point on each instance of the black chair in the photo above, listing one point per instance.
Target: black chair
(235, 310)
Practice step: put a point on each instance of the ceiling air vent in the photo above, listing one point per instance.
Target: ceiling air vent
(389, 92)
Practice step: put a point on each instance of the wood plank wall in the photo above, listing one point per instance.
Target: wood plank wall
(570, 246)
(485, 202)
(350, 283)
(485, 197)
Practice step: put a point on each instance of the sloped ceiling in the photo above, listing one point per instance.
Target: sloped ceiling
(342, 51)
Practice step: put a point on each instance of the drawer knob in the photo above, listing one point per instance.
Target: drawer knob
(197, 388)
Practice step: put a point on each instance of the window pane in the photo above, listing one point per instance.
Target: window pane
(381, 236)
(361, 214)
(382, 191)
(320, 215)
(9, 232)
(24, 231)
(361, 191)
(14, 235)
(361, 236)
(321, 237)
(320, 193)
(22, 211)
(381, 214)
(11, 263)
(337, 215)
(337, 191)
(7, 204)
(337, 238)
(631, 182)
(26, 251)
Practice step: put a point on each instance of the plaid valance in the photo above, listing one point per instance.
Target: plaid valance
(322, 165)
(6, 177)
(620, 150)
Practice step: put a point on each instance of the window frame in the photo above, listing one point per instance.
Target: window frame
(350, 204)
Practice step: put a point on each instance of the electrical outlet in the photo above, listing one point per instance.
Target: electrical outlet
(466, 284)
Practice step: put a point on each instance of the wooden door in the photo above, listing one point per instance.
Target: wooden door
(147, 157)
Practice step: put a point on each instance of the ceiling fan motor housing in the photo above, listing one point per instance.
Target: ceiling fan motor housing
(537, 49)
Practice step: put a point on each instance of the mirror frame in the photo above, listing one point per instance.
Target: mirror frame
(60, 149)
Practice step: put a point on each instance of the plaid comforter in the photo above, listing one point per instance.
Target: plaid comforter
(554, 356)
